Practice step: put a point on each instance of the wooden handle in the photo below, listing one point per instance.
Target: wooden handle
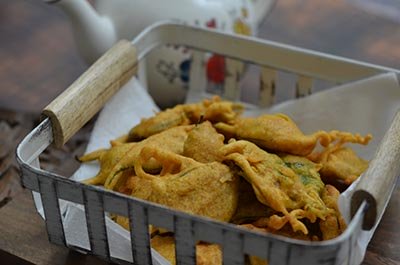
(377, 183)
(84, 98)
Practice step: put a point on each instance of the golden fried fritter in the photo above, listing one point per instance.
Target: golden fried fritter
(249, 207)
(214, 110)
(184, 184)
(108, 159)
(257, 261)
(117, 159)
(206, 254)
(284, 231)
(160, 122)
(308, 173)
(278, 133)
(203, 143)
(340, 164)
(334, 224)
(178, 158)
(122, 221)
(276, 185)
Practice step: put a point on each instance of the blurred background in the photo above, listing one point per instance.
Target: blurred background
(39, 57)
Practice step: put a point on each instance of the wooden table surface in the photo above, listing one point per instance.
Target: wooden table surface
(38, 59)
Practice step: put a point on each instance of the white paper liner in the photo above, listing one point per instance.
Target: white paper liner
(366, 106)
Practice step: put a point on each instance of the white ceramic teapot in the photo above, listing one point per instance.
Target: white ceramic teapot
(98, 27)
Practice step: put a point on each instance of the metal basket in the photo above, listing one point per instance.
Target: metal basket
(85, 97)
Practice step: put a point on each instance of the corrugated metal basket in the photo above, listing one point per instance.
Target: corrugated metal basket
(86, 96)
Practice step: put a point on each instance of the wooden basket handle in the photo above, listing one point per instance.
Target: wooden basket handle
(379, 180)
(84, 98)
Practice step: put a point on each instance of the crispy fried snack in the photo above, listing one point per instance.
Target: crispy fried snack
(249, 209)
(109, 159)
(308, 173)
(331, 227)
(276, 185)
(184, 184)
(278, 133)
(214, 110)
(206, 254)
(117, 159)
(340, 164)
(122, 221)
(334, 224)
(268, 178)
(161, 121)
(203, 143)
(285, 231)
(257, 261)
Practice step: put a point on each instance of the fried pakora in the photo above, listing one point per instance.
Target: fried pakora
(203, 143)
(117, 159)
(334, 223)
(284, 231)
(249, 208)
(268, 178)
(184, 184)
(214, 110)
(253, 260)
(276, 185)
(108, 159)
(278, 133)
(308, 172)
(206, 254)
(340, 164)
(161, 121)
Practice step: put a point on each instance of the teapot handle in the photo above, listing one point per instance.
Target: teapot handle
(84, 98)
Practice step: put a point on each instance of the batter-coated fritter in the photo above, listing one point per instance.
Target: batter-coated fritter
(249, 207)
(308, 173)
(117, 159)
(340, 164)
(214, 110)
(109, 160)
(276, 185)
(257, 261)
(178, 158)
(161, 121)
(184, 184)
(285, 231)
(310, 178)
(203, 143)
(206, 254)
(334, 224)
(278, 133)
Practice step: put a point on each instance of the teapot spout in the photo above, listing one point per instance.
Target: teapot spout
(94, 34)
